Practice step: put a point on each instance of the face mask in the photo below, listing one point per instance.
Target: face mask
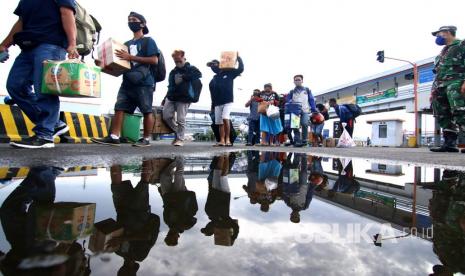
(440, 41)
(298, 83)
(134, 26)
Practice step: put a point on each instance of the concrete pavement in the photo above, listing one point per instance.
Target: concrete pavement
(66, 155)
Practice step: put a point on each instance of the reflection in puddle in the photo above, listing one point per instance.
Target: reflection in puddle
(245, 213)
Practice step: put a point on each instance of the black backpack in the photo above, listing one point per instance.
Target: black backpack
(355, 109)
(158, 70)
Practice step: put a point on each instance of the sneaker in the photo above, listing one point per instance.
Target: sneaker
(142, 143)
(462, 150)
(33, 142)
(62, 129)
(178, 143)
(106, 141)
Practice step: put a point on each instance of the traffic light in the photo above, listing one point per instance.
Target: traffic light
(380, 56)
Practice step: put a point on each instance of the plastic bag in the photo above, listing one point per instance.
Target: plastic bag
(345, 141)
(272, 112)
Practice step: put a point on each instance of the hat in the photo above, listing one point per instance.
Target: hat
(445, 28)
(142, 19)
(209, 64)
(268, 85)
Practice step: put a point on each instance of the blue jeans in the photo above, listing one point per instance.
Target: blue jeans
(304, 120)
(43, 110)
(254, 129)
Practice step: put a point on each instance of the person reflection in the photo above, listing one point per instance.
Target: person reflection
(346, 182)
(133, 213)
(180, 204)
(30, 253)
(224, 228)
(317, 176)
(297, 192)
(266, 188)
(447, 210)
(253, 160)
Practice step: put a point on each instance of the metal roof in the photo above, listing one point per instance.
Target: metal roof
(382, 75)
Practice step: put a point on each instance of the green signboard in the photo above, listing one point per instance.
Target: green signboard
(384, 200)
(377, 96)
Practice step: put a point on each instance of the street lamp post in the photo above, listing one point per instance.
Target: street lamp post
(381, 59)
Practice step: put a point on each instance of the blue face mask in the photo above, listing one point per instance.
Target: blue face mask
(440, 41)
(134, 26)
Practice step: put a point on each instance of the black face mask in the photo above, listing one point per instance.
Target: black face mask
(134, 26)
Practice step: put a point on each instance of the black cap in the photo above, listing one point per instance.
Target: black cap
(445, 28)
(210, 64)
(142, 19)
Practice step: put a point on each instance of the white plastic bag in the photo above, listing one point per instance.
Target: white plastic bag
(345, 141)
(272, 112)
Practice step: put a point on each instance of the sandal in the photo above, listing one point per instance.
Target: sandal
(218, 145)
(228, 145)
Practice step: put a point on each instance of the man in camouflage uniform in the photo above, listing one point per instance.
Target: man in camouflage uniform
(447, 211)
(448, 93)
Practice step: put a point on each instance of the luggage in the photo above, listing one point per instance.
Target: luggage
(293, 108)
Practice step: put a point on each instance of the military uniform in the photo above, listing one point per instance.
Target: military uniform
(447, 210)
(448, 102)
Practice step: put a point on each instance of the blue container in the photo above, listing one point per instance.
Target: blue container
(293, 108)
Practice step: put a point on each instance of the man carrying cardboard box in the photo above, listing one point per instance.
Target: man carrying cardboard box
(138, 83)
(221, 90)
(45, 30)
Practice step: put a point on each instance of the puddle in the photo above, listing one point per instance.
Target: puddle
(245, 213)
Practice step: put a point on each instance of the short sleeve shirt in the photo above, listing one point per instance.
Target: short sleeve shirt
(42, 20)
(135, 48)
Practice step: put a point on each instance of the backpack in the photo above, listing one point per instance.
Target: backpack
(88, 31)
(355, 109)
(158, 70)
(195, 88)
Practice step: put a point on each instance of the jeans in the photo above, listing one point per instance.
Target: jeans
(178, 122)
(254, 132)
(43, 110)
(304, 119)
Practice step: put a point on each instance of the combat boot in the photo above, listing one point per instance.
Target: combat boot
(449, 145)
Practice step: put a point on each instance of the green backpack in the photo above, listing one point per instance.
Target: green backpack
(88, 31)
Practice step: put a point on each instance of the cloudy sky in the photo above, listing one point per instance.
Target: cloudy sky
(329, 42)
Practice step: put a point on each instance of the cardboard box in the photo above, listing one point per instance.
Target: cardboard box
(71, 78)
(160, 127)
(223, 236)
(228, 60)
(105, 230)
(65, 221)
(331, 142)
(111, 64)
(157, 166)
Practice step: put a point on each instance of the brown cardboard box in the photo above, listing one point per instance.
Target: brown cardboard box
(65, 221)
(157, 166)
(228, 60)
(160, 127)
(105, 230)
(223, 236)
(111, 64)
(331, 142)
